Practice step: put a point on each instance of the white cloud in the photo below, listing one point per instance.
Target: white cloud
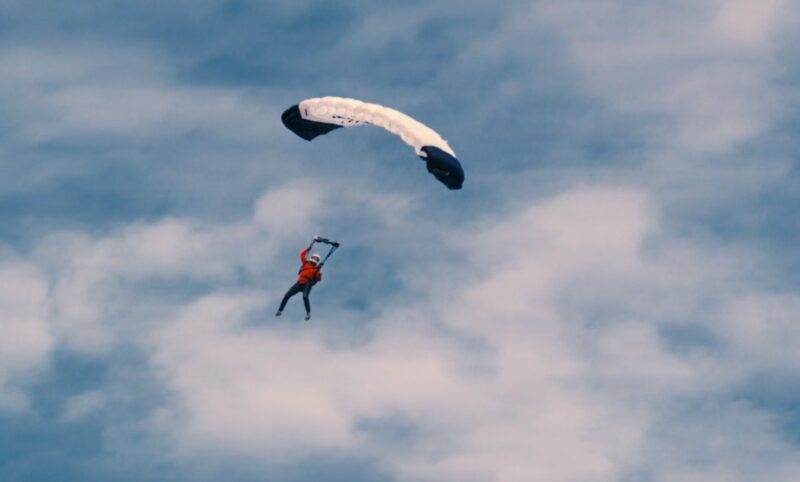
(289, 211)
(120, 92)
(80, 406)
(573, 375)
(544, 353)
(755, 321)
(93, 278)
(90, 273)
(700, 70)
(543, 356)
(748, 23)
(25, 338)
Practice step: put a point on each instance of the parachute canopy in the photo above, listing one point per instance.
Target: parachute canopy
(320, 115)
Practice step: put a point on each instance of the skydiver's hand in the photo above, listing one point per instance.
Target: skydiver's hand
(317, 238)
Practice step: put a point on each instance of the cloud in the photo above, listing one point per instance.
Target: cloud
(757, 320)
(90, 273)
(691, 67)
(576, 314)
(25, 337)
(93, 278)
(522, 371)
(519, 367)
(80, 406)
(289, 210)
(748, 23)
(120, 92)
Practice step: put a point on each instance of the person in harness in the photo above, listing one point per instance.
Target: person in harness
(310, 274)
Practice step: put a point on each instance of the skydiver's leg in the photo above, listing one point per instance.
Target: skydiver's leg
(296, 288)
(306, 292)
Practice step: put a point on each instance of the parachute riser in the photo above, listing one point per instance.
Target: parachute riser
(333, 244)
(333, 248)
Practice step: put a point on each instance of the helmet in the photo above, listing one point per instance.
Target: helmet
(314, 258)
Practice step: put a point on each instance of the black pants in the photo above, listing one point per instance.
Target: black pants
(297, 288)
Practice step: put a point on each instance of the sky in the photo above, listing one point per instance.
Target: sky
(613, 296)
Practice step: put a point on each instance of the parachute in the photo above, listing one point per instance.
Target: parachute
(320, 115)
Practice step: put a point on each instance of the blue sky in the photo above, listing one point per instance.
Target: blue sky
(611, 297)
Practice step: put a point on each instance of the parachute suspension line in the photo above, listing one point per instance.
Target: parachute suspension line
(333, 248)
(333, 244)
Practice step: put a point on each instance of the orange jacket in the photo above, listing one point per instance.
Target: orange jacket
(309, 272)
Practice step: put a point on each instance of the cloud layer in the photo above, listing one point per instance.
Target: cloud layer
(610, 297)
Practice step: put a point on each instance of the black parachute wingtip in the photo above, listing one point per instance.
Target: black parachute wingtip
(444, 167)
(304, 128)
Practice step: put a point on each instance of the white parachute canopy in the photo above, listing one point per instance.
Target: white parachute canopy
(320, 115)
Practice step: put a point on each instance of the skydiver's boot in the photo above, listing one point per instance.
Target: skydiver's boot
(278, 313)
(308, 316)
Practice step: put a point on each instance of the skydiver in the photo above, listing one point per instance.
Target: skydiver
(310, 274)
